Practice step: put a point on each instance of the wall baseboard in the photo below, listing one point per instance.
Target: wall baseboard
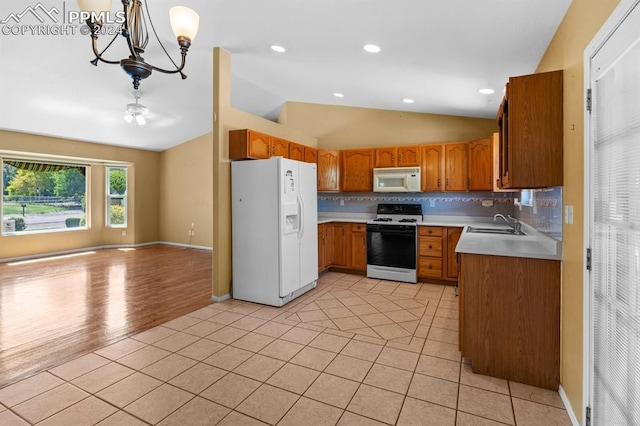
(221, 298)
(567, 405)
(114, 246)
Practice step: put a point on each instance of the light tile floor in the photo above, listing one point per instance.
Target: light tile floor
(354, 351)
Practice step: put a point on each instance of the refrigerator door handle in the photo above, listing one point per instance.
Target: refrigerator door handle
(302, 214)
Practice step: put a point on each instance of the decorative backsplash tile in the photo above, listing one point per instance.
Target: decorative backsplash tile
(545, 211)
(436, 203)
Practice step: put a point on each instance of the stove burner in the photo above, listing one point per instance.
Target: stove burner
(408, 220)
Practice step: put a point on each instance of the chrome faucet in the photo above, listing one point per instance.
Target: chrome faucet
(511, 221)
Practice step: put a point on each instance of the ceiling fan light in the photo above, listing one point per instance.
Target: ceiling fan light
(128, 118)
(140, 121)
(94, 5)
(184, 22)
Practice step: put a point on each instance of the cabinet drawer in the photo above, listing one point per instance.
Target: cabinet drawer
(359, 227)
(430, 231)
(430, 246)
(429, 267)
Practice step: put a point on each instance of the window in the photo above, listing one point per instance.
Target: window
(117, 197)
(39, 196)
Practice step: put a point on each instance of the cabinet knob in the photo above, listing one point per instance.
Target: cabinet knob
(438, 183)
(430, 267)
(447, 183)
(430, 246)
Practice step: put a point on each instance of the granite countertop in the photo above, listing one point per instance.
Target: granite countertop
(534, 244)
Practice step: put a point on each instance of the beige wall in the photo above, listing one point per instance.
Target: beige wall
(339, 127)
(226, 119)
(143, 196)
(186, 192)
(566, 51)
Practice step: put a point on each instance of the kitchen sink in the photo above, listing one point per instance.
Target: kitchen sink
(499, 231)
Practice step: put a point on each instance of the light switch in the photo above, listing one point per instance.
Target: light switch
(568, 215)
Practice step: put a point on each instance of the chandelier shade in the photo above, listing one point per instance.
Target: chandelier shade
(135, 29)
(94, 5)
(184, 22)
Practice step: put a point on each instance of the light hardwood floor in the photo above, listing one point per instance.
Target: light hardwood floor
(55, 309)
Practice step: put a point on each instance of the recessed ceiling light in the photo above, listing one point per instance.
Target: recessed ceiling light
(408, 101)
(372, 48)
(278, 49)
(338, 95)
(486, 91)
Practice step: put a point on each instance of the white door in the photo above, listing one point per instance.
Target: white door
(613, 227)
(290, 216)
(309, 232)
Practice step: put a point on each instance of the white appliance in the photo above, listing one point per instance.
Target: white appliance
(396, 179)
(274, 230)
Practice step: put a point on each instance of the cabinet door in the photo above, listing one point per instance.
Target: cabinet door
(321, 243)
(432, 173)
(481, 165)
(328, 244)
(359, 247)
(328, 166)
(357, 170)
(453, 235)
(386, 157)
(455, 166)
(408, 156)
(259, 145)
(296, 151)
(340, 243)
(310, 155)
(279, 148)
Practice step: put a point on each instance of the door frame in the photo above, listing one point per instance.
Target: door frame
(612, 23)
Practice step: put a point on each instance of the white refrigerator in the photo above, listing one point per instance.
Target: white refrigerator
(274, 230)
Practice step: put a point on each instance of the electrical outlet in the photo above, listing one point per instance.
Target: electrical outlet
(432, 203)
(124, 233)
(342, 202)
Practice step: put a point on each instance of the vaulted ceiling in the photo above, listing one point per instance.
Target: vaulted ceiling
(436, 52)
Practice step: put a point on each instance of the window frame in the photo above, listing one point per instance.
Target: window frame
(109, 197)
(27, 159)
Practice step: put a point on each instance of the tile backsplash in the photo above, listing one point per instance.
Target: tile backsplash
(545, 211)
(544, 214)
(436, 203)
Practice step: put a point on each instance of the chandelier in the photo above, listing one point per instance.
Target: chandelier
(135, 112)
(134, 28)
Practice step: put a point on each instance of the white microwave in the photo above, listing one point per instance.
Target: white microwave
(396, 179)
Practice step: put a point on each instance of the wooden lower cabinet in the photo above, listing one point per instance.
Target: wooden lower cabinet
(342, 245)
(325, 246)
(436, 252)
(510, 318)
(341, 241)
(358, 247)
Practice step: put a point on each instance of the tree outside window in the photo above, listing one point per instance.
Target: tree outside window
(117, 197)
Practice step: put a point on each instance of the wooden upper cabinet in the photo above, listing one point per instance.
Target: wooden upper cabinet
(455, 166)
(408, 156)
(279, 148)
(248, 144)
(296, 151)
(431, 165)
(328, 170)
(356, 174)
(531, 133)
(403, 156)
(386, 157)
(310, 154)
(481, 165)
